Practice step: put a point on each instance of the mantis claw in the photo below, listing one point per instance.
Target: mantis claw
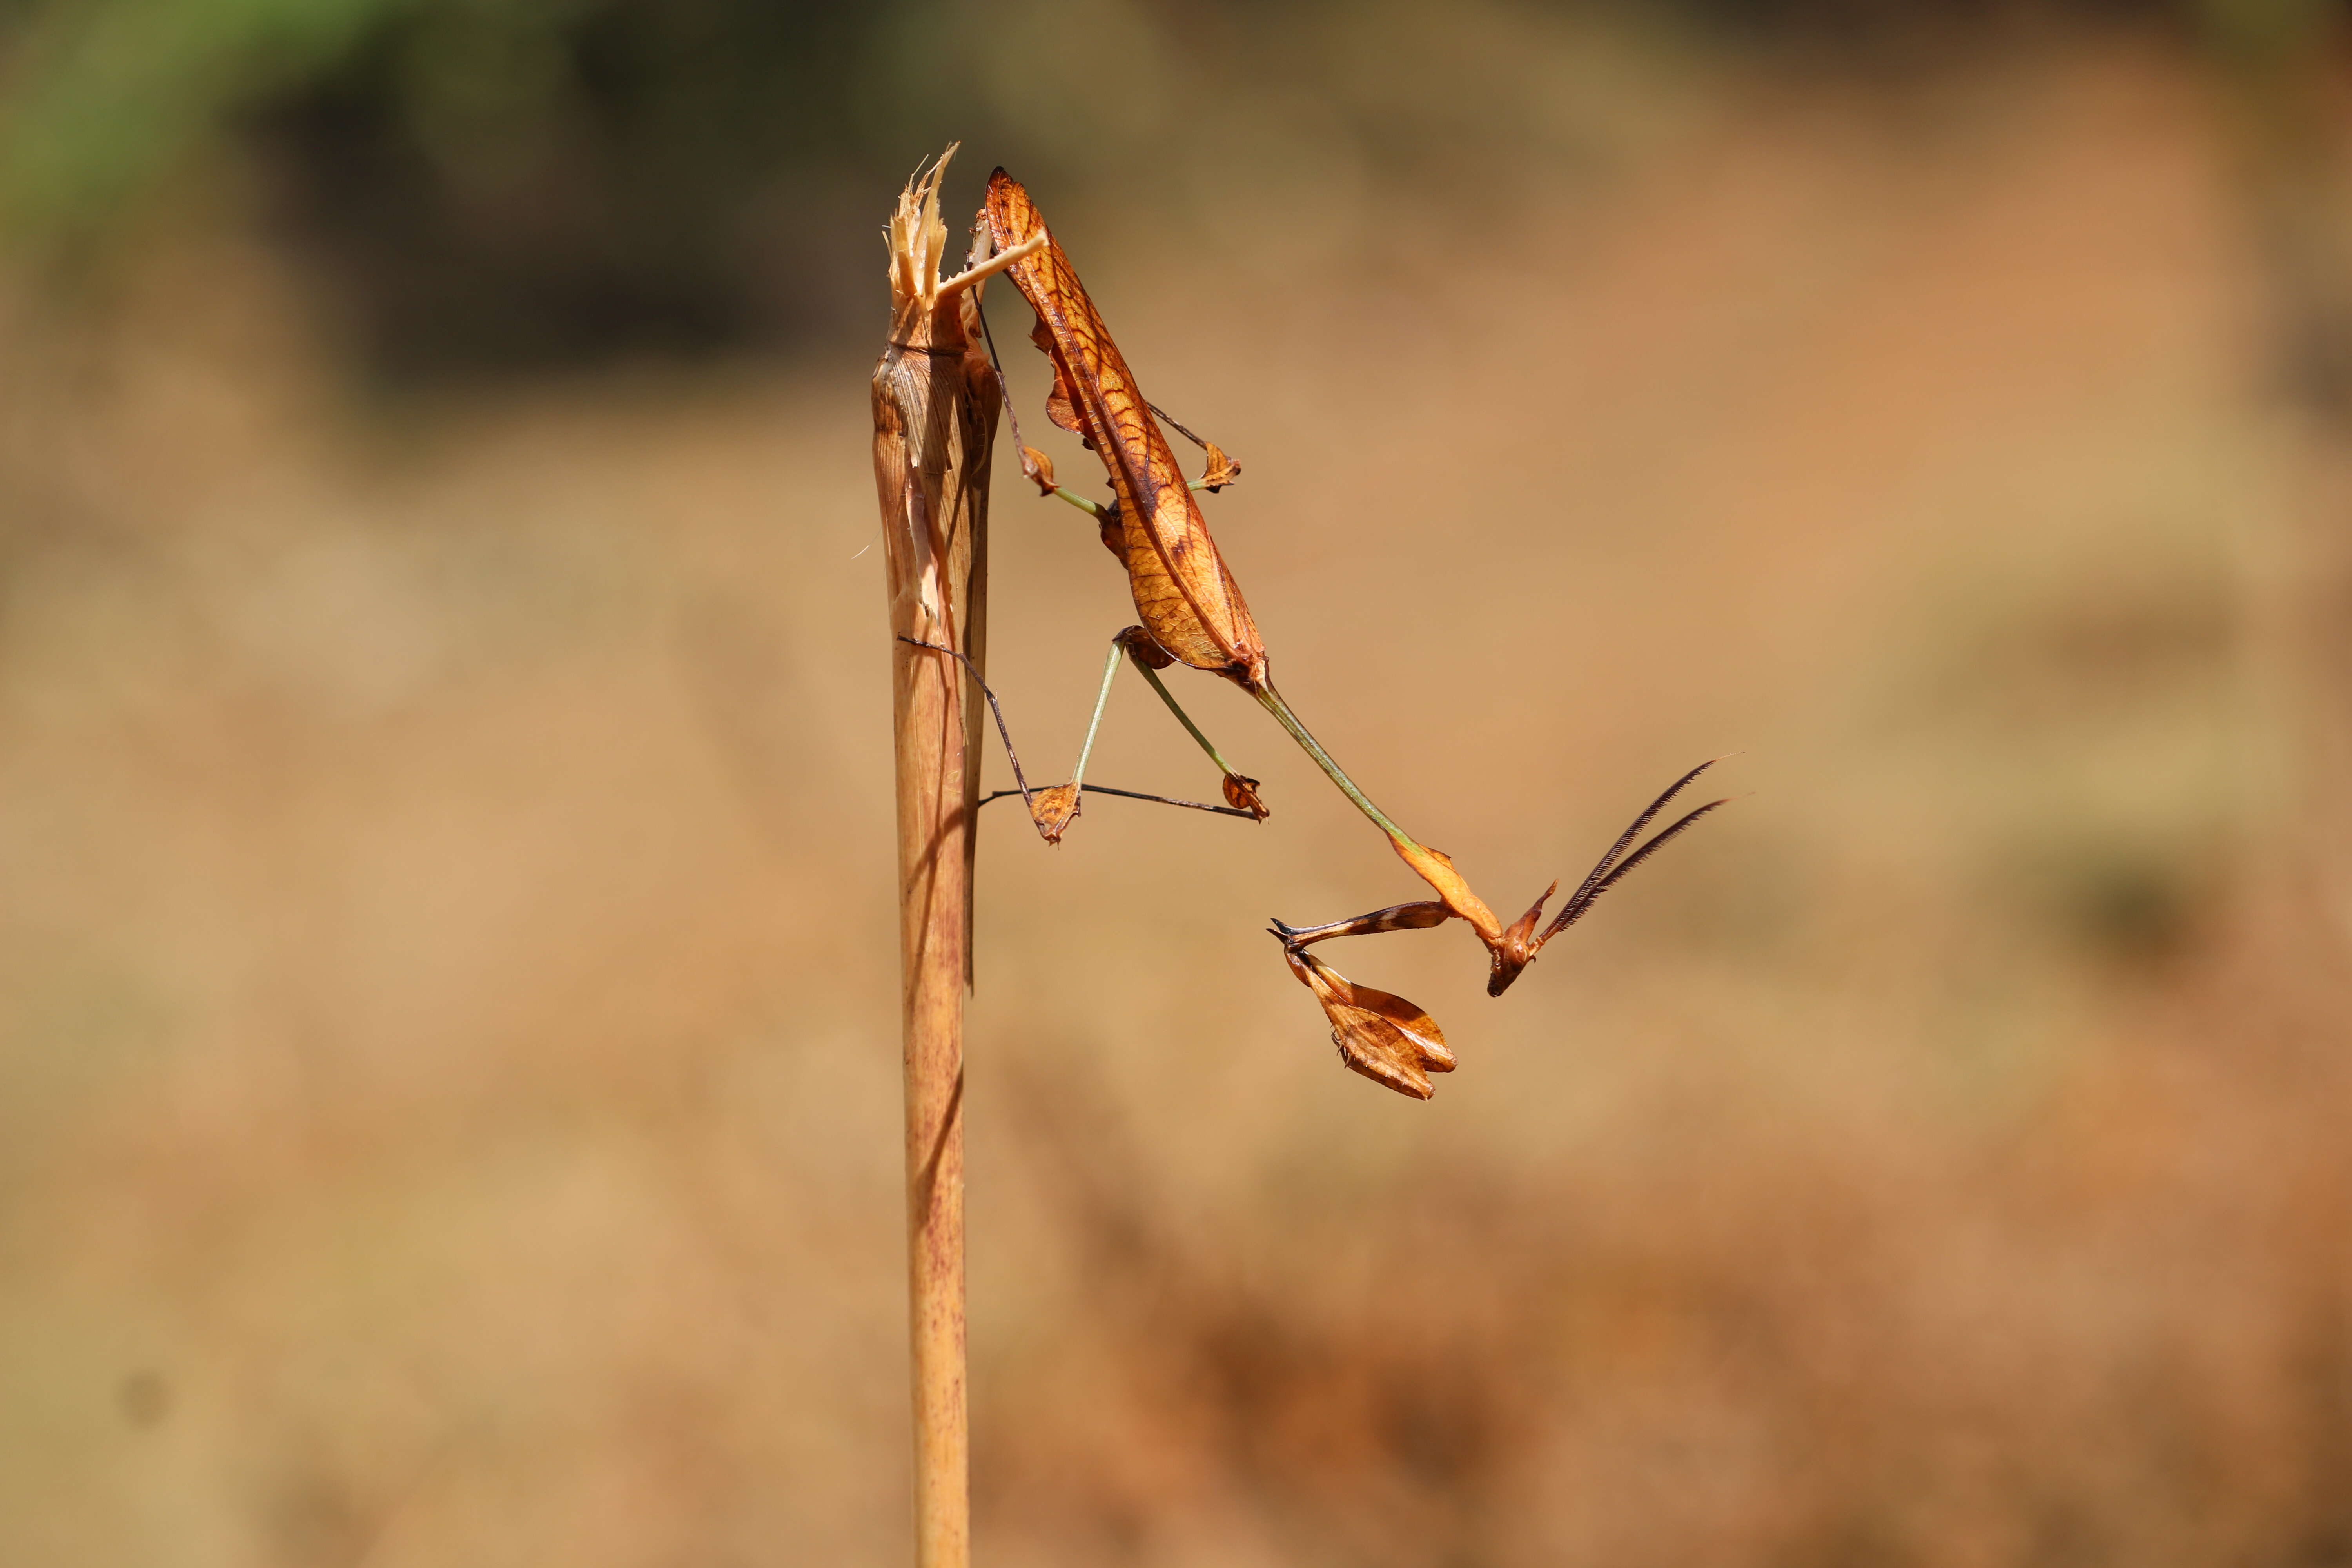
(1381, 1035)
(1417, 916)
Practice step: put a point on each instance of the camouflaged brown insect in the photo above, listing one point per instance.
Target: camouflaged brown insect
(1192, 613)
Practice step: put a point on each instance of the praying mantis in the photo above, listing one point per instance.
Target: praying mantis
(1191, 612)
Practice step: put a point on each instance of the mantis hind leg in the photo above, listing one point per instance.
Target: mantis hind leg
(1051, 809)
(1221, 470)
(1150, 658)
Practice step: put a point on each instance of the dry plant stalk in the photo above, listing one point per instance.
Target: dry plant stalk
(935, 409)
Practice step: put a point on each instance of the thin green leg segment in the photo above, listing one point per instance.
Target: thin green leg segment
(1183, 717)
(1102, 696)
(1271, 700)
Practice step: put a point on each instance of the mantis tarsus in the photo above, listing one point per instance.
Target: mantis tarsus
(1192, 613)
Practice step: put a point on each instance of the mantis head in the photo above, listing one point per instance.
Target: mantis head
(1516, 946)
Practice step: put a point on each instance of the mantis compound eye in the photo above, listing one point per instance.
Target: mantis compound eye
(1507, 968)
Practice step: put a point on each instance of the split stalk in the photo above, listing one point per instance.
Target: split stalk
(935, 411)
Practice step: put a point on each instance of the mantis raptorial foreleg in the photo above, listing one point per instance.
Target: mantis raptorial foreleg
(1606, 873)
(1417, 916)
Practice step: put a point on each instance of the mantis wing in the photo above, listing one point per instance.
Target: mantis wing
(1184, 593)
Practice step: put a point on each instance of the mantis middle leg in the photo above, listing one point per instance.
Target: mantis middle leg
(1053, 807)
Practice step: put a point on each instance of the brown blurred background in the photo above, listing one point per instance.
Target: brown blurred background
(448, 1100)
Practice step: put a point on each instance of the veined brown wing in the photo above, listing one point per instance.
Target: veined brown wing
(1187, 598)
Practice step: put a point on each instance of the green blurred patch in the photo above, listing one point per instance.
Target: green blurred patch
(484, 185)
(71, 1024)
(106, 98)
